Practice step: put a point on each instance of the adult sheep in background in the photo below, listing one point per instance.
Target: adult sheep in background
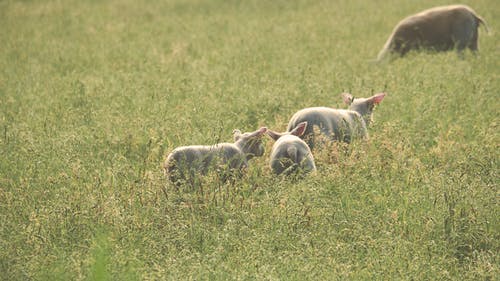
(440, 29)
(338, 124)
(290, 153)
(185, 163)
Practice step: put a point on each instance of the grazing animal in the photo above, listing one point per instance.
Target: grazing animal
(186, 162)
(441, 29)
(290, 153)
(338, 124)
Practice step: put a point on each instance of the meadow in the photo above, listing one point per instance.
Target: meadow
(95, 94)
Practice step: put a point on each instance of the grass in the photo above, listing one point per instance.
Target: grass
(94, 94)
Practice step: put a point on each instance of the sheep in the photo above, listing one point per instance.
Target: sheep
(290, 153)
(338, 124)
(185, 162)
(440, 28)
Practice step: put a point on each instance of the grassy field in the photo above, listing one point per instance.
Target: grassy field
(95, 94)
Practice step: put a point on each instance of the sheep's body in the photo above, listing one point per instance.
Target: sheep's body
(337, 124)
(185, 162)
(441, 28)
(290, 153)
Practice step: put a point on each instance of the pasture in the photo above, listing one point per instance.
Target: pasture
(95, 94)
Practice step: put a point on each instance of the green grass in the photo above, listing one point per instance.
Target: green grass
(94, 94)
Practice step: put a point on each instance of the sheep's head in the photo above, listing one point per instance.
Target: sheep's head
(250, 143)
(298, 131)
(363, 106)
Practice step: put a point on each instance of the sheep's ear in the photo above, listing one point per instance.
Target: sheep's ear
(348, 98)
(236, 134)
(376, 99)
(258, 133)
(262, 130)
(299, 129)
(274, 135)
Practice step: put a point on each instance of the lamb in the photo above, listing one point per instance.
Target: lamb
(290, 153)
(338, 124)
(440, 28)
(184, 162)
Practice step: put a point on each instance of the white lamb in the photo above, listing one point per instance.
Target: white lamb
(186, 162)
(338, 124)
(290, 153)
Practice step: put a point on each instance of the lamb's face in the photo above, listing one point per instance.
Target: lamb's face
(363, 106)
(254, 147)
(251, 143)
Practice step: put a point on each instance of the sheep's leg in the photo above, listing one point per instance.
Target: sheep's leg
(462, 35)
(308, 137)
(473, 44)
(292, 168)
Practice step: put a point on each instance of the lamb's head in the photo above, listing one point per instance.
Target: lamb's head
(363, 106)
(297, 131)
(250, 143)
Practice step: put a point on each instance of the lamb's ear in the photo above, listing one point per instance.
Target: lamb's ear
(376, 99)
(348, 98)
(258, 133)
(236, 134)
(274, 135)
(299, 129)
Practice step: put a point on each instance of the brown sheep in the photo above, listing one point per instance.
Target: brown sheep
(440, 29)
